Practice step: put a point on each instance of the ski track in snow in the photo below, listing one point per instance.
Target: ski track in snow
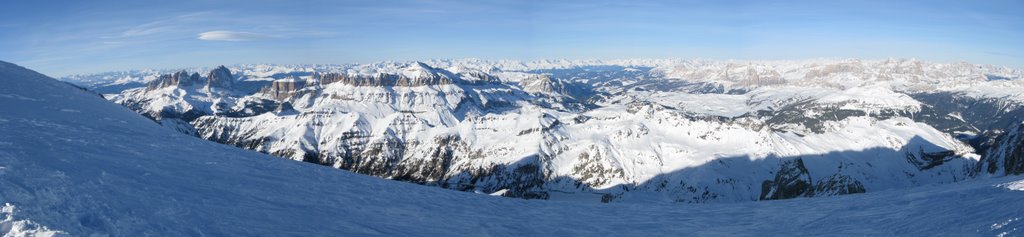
(108, 171)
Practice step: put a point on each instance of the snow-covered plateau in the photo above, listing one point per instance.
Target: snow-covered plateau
(923, 149)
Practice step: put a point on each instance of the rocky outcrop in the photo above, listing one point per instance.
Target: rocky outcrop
(838, 184)
(179, 79)
(1006, 156)
(927, 160)
(592, 172)
(792, 180)
(543, 84)
(220, 77)
(285, 108)
(284, 88)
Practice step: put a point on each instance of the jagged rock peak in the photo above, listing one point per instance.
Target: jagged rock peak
(220, 77)
(181, 78)
(792, 180)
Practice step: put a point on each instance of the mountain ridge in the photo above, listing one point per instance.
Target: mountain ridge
(587, 129)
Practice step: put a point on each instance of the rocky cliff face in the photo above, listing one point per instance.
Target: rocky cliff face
(172, 99)
(792, 180)
(177, 79)
(1006, 155)
(284, 88)
(219, 77)
(543, 84)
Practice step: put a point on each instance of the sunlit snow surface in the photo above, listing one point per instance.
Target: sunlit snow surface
(1016, 185)
(72, 162)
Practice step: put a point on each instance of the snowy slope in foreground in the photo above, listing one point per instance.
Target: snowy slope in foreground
(72, 162)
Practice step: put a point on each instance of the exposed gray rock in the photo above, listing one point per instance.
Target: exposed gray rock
(220, 77)
(977, 121)
(1006, 156)
(284, 88)
(927, 160)
(179, 79)
(592, 172)
(838, 184)
(543, 84)
(284, 108)
(792, 180)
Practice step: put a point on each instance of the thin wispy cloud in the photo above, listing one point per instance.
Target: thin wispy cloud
(224, 35)
(164, 25)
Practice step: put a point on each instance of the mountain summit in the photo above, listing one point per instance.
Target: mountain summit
(219, 77)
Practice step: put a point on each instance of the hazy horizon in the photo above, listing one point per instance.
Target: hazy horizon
(202, 68)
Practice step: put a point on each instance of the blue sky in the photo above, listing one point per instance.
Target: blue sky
(68, 37)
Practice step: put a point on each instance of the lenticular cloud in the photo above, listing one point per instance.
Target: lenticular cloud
(223, 35)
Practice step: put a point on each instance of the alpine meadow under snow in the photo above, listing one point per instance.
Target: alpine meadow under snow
(924, 149)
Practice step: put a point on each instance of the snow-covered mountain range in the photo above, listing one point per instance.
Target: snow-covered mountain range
(74, 164)
(612, 130)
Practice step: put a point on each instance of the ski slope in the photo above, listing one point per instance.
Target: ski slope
(72, 163)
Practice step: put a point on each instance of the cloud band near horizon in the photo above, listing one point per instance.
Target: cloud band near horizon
(224, 35)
